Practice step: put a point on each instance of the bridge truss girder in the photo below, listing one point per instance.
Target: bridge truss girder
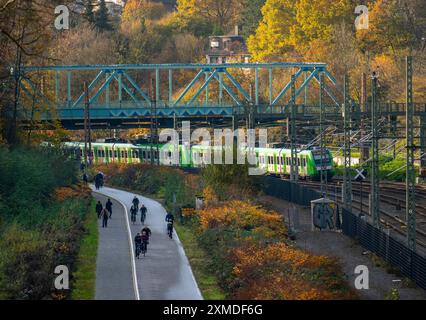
(133, 93)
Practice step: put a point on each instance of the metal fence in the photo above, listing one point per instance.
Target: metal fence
(398, 255)
(289, 191)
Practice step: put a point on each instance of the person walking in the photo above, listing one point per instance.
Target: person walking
(105, 217)
(143, 214)
(99, 209)
(108, 206)
(133, 214)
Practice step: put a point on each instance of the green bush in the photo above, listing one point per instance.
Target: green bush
(38, 232)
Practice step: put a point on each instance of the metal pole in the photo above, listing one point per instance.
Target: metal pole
(375, 179)
(87, 129)
(361, 200)
(365, 149)
(323, 172)
(410, 173)
(86, 123)
(151, 142)
(423, 144)
(347, 178)
(294, 172)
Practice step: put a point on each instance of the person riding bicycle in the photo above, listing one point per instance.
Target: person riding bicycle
(170, 220)
(143, 213)
(147, 230)
(145, 242)
(133, 213)
(138, 245)
(135, 202)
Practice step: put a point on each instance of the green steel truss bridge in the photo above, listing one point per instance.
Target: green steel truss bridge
(130, 96)
(125, 95)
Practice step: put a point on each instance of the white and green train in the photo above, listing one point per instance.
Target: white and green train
(273, 160)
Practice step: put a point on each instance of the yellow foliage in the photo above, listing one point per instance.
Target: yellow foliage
(241, 215)
(279, 272)
(79, 191)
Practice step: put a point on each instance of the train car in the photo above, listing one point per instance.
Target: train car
(273, 161)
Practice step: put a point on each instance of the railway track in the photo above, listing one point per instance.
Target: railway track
(391, 194)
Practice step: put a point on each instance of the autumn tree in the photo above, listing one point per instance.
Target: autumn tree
(101, 17)
(394, 25)
(251, 16)
(223, 14)
(273, 38)
(25, 31)
(89, 11)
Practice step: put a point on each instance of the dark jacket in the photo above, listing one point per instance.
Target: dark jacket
(105, 214)
(108, 206)
(99, 208)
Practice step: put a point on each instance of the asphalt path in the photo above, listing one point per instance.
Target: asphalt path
(163, 274)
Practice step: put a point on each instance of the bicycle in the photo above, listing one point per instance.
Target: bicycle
(138, 250)
(144, 248)
(170, 229)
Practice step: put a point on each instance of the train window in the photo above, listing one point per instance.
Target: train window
(115, 154)
(143, 154)
(135, 154)
(298, 162)
(287, 161)
(281, 161)
(110, 153)
(125, 154)
(122, 154)
(103, 153)
(148, 155)
(304, 162)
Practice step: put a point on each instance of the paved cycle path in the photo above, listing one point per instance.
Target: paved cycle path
(164, 273)
(113, 265)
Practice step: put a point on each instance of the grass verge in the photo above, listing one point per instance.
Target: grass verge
(198, 260)
(85, 274)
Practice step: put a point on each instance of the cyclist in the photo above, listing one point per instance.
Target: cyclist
(138, 245)
(133, 213)
(170, 220)
(145, 242)
(147, 230)
(135, 202)
(143, 214)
